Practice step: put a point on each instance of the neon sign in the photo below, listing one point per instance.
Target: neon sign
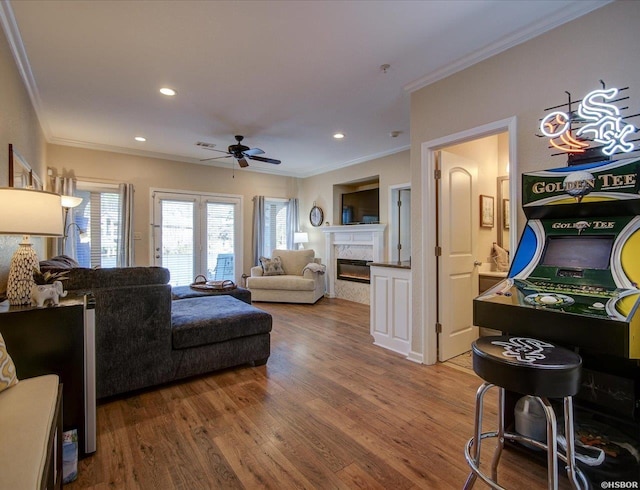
(601, 122)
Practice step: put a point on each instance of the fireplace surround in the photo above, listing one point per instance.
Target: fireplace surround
(357, 242)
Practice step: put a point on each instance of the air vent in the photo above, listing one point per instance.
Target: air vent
(202, 144)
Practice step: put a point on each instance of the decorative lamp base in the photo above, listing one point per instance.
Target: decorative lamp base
(21, 275)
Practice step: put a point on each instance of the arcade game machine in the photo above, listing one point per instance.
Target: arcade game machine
(574, 281)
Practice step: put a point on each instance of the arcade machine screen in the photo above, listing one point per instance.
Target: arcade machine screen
(579, 253)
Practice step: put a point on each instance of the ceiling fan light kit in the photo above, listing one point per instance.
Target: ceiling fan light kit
(241, 152)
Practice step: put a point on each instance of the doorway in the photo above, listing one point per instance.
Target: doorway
(450, 273)
(197, 234)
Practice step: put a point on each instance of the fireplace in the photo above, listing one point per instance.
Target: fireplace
(353, 270)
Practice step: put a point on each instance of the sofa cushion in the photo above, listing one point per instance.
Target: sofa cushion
(212, 319)
(58, 262)
(294, 261)
(8, 377)
(272, 267)
(285, 283)
(26, 416)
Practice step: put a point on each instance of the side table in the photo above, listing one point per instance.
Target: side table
(59, 340)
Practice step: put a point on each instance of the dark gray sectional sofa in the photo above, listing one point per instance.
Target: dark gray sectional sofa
(145, 338)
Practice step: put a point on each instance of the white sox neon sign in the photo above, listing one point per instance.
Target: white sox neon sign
(603, 124)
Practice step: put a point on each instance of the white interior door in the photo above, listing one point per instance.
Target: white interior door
(457, 273)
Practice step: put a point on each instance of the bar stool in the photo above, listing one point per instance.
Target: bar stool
(530, 367)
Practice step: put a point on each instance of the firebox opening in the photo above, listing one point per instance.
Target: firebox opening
(354, 270)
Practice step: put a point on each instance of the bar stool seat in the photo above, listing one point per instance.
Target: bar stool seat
(529, 367)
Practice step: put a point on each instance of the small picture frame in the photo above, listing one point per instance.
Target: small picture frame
(486, 211)
(506, 218)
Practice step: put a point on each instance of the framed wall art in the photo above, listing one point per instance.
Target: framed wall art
(486, 211)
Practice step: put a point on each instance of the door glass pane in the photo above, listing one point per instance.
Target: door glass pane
(178, 241)
(220, 240)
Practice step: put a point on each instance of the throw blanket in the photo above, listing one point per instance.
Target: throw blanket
(500, 257)
(313, 267)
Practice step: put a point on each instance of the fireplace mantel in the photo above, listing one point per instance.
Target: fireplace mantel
(370, 235)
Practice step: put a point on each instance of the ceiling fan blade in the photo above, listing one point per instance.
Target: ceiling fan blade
(214, 149)
(253, 151)
(242, 162)
(264, 159)
(214, 158)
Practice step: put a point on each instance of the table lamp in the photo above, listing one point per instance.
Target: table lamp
(300, 237)
(27, 212)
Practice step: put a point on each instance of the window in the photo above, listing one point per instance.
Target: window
(275, 225)
(96, 225)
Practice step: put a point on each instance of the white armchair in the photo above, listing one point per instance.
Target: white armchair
(301, 280)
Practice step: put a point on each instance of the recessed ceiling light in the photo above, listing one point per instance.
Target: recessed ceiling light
(140, 138)
(338, 136)
(167, 91)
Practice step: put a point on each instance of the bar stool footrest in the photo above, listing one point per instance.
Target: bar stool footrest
(512, 437)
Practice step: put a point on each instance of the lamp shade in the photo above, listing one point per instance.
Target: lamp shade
(30, 212)
(70, 201)
(301, 237)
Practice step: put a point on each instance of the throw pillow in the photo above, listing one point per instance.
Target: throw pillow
(272, 267)
(8, 376)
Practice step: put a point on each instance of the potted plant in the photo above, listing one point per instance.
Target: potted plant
(47, 287)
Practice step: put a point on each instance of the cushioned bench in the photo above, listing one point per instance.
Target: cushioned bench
(30, 415)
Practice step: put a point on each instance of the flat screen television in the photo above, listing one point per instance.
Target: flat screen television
(361, 207)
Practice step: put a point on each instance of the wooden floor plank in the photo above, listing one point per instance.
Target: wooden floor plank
(329, 410)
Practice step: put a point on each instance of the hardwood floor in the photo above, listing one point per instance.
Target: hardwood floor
(329, 410)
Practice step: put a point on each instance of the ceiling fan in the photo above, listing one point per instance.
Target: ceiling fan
(241, 152)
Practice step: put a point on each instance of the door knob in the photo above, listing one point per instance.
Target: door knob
(477, 263)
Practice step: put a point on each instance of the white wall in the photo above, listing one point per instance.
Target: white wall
(146, 173)
(520, 82)
(392, 169)
(18, 126)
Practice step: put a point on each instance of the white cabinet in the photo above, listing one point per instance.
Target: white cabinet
(391, 307)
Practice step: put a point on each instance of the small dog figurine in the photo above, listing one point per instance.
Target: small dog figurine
(41, 294)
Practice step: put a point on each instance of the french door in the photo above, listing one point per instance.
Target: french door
(197, 234)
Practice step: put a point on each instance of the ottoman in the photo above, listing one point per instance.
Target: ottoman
(217, 331)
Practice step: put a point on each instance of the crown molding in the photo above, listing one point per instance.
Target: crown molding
(12, 33)
(338, 166)
(572, 12)
(195, 161)
(161, 156)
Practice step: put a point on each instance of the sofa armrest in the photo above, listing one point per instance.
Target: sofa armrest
(256, 271)
(133, 338)
(311, 272)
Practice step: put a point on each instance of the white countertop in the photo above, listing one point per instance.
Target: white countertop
(492, 273)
